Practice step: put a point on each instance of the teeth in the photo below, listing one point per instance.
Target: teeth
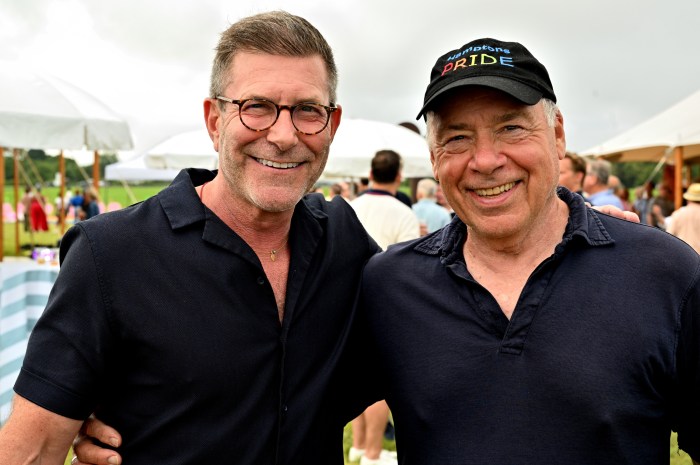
(494, 190)
(273, 164)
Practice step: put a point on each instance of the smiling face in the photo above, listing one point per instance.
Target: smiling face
(497, 161)
(271, 170)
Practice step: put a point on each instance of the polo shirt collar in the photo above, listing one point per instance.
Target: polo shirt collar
(584, 223)
(180, 202)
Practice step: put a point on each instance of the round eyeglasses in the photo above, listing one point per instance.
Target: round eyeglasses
(259, 114)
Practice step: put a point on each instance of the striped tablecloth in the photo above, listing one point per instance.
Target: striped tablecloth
(24, 291)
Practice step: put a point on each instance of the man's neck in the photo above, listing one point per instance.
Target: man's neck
(545, 232)
(390, 187)
(503, 266)
(253, 225)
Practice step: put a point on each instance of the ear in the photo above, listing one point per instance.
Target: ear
(335, 120)
(433, 161)
(212, 115)
(559, 135)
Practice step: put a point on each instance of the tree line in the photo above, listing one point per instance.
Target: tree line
(40, 168)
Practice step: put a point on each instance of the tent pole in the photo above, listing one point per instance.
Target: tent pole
(678, 178)
(96, 172)
(129, 192)
(16, 185)
(2, 202)
(62, 193)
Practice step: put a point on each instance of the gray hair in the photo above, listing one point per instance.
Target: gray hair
(600, 169)
(427, 188)
(550, 113)
(274, 33)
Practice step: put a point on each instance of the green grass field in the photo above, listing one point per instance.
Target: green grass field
(27, 241)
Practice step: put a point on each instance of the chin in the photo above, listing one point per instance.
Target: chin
(278, 203)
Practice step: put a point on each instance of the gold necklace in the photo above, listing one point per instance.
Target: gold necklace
(274, 251)
(279, 248)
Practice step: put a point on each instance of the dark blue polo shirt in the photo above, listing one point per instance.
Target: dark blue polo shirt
(598, 363)
(163, 322)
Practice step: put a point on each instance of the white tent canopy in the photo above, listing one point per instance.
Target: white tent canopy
(137, 170)
(654, 139)
(357, 140)
(163, 161)
(39, 111)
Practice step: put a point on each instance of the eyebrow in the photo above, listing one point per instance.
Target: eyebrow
(498, 119)
(511, 115)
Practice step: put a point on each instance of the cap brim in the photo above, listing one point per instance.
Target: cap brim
(518, 90)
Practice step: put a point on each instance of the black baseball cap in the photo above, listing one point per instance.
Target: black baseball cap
(505, 66)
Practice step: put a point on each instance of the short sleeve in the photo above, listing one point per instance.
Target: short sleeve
(69, 347)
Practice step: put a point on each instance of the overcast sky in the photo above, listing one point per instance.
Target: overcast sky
(613, 63)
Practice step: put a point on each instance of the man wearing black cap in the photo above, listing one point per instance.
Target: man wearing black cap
(490, 348)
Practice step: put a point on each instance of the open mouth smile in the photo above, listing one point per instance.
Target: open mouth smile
(273, 164)
(493, 191)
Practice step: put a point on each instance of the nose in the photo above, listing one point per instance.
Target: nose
(283, 133)
(486, 158)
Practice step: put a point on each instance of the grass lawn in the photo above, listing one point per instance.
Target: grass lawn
(50, 238)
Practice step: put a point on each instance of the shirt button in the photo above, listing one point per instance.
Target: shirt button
(261, 280)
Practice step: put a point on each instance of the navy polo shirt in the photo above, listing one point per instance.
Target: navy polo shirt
(163, 322)
(598, 363)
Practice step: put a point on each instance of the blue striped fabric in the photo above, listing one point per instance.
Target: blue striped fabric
(24, 291)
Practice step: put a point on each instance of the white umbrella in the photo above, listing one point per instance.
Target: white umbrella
(39, 111)
(357, 140)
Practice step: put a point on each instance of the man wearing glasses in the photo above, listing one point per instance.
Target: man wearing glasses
(206, 323)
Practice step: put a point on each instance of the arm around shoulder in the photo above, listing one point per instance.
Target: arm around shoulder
(34, 435)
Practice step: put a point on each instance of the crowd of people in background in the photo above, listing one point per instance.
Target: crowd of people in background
(655, 206)
(83, 202)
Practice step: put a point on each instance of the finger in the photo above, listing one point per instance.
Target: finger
(98, 430)
(631, 216)
(87, 453)
(77, 461)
